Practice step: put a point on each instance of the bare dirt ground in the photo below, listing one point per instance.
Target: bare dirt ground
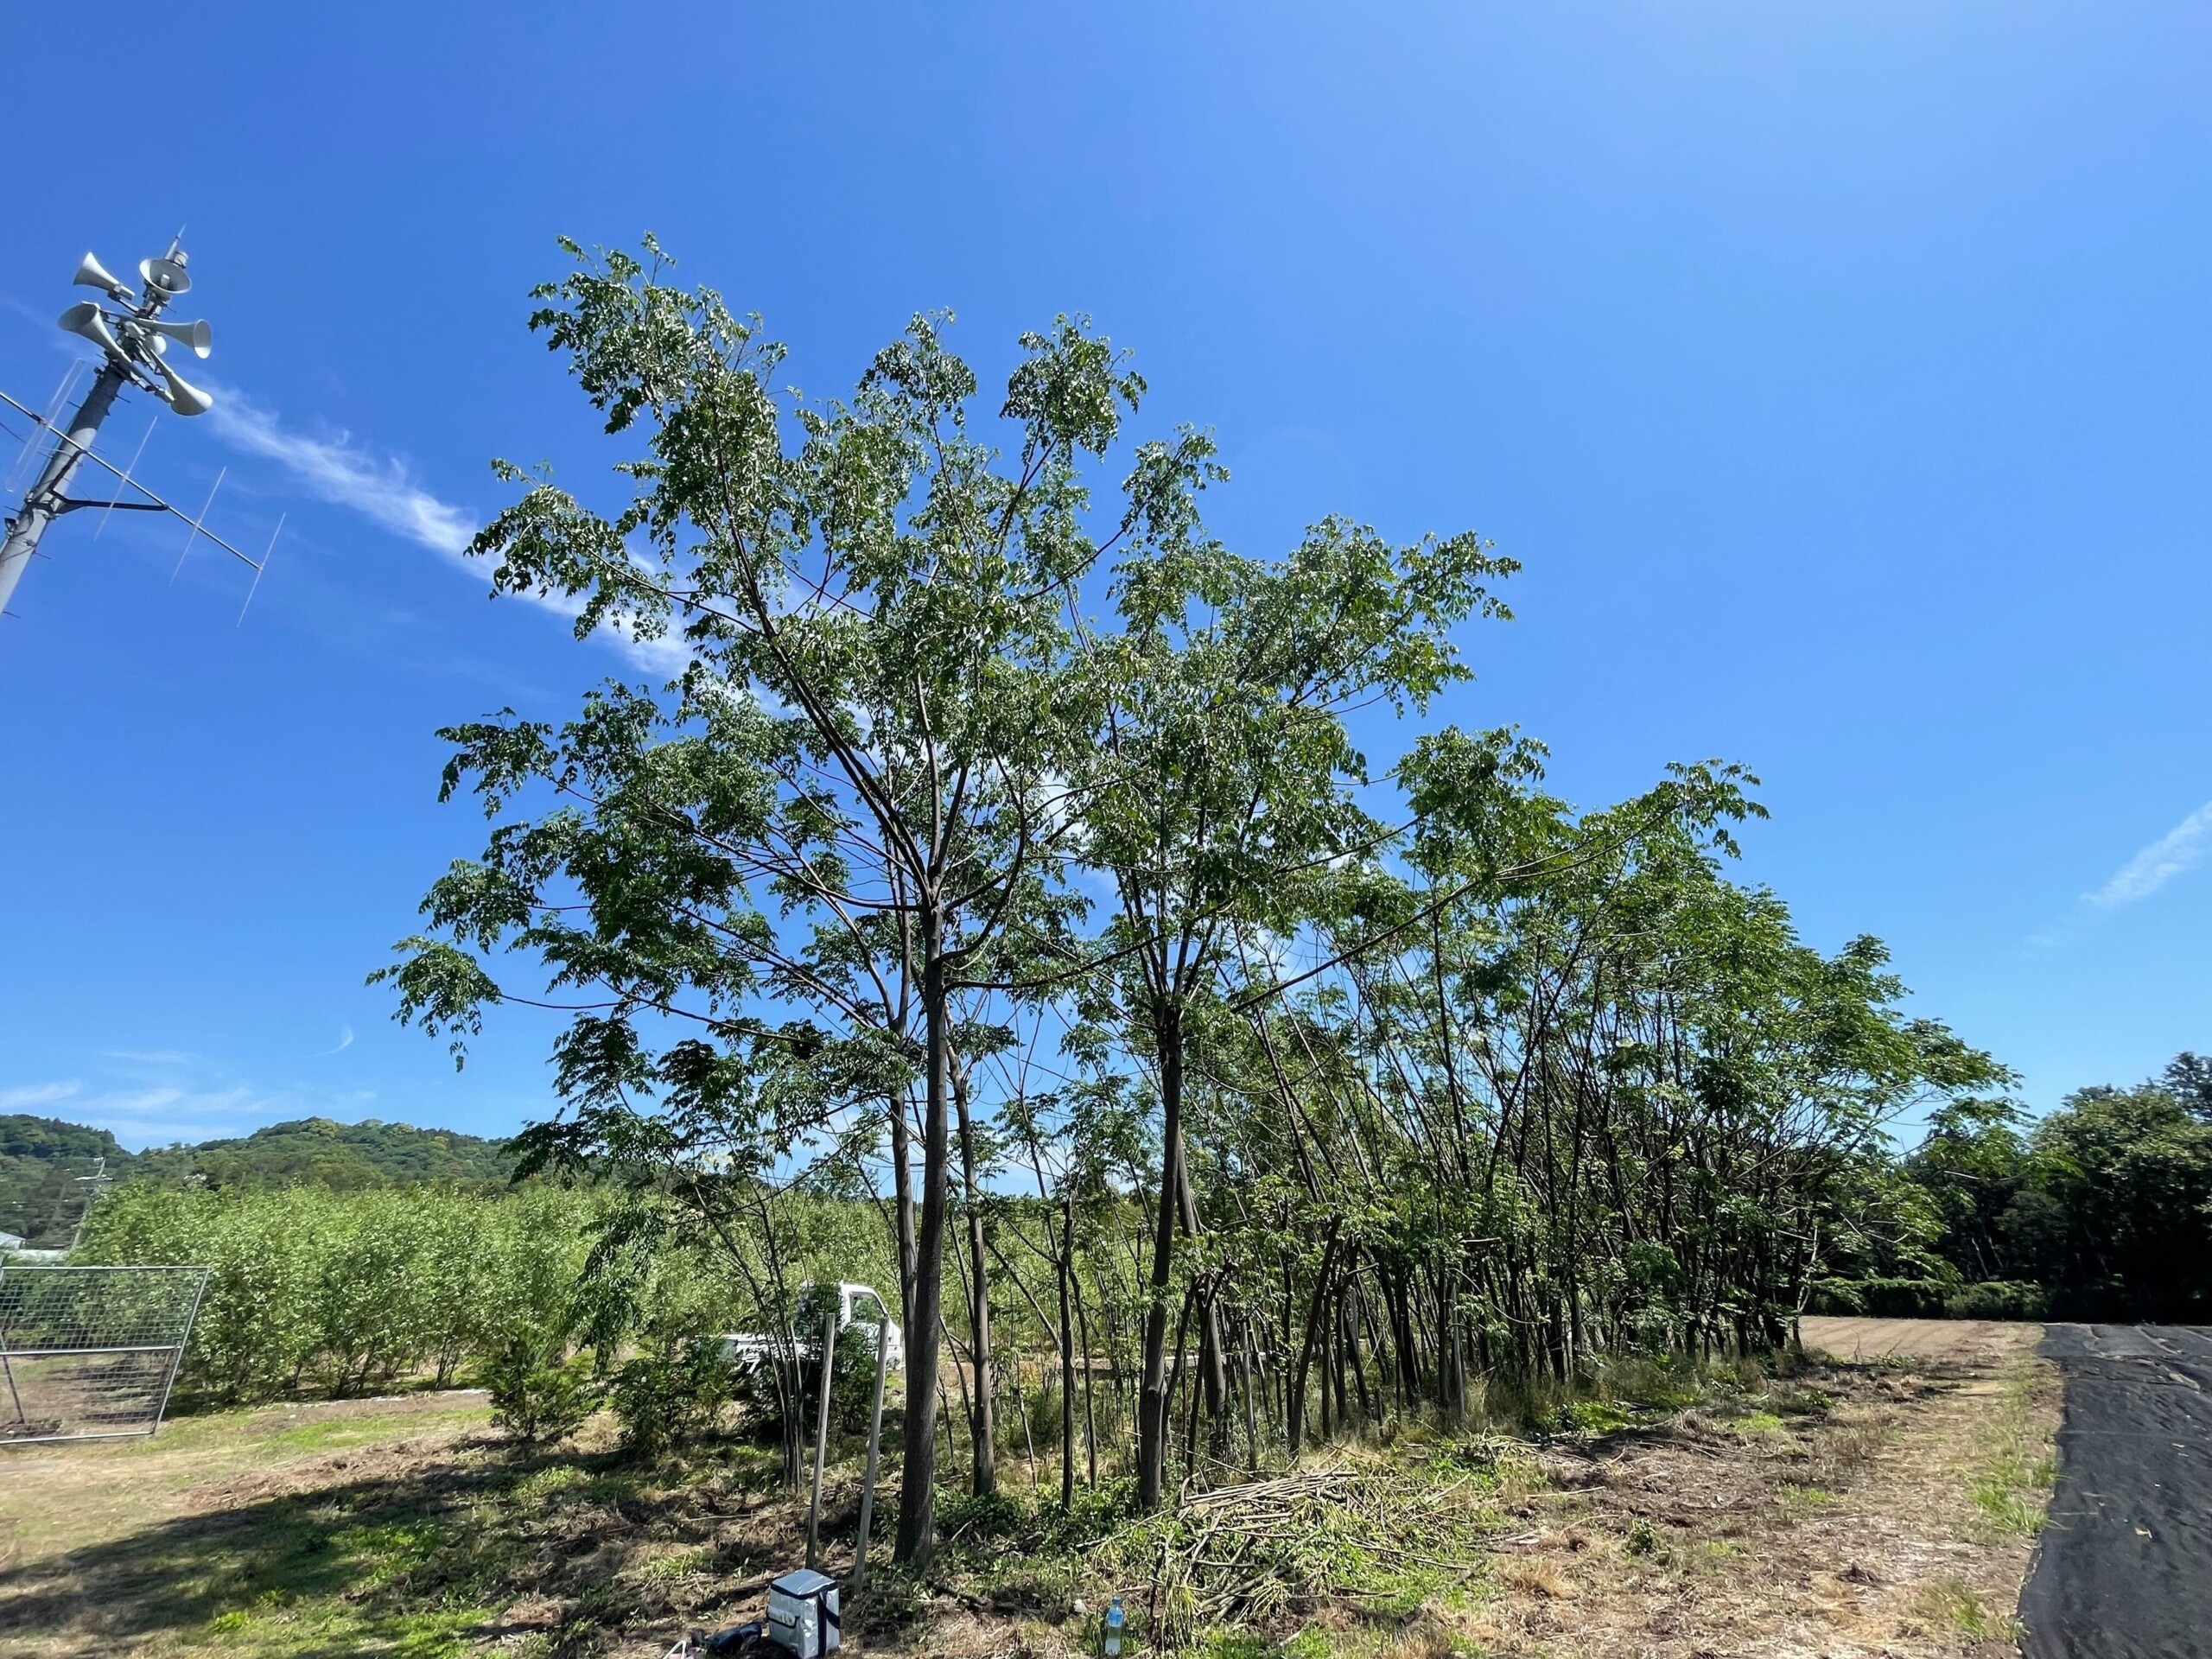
(58, 1498)
(1967, 1341)
(1896, 1519)
(1882, 1503)
(1880, 1506)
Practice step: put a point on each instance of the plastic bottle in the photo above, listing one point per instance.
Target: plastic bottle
(1113, 1617)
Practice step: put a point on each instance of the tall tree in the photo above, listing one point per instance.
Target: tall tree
(857, 782)
(1221, 793)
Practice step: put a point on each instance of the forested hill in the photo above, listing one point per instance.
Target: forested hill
(41, 1158)
(321, 1152)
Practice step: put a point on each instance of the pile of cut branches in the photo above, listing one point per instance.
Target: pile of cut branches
(1378, 1535)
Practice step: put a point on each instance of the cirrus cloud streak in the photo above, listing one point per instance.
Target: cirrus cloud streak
(2176, 853)
(382, 488)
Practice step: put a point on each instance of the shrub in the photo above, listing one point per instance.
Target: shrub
(669, 1395)
(540, 1402)
(852, 1378)
(1998, 1299)
(1881, 1298)
(308, 1289)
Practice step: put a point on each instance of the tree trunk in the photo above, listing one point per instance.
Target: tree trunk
(1212, 1363)
(1066, 1264)
(983, 1421)
(1090, 1388)
(917, 1536)
(1153, 1425)
(902, 1178)
(1294, 1424)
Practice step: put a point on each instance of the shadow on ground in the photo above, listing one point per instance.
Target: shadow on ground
(478, 1544)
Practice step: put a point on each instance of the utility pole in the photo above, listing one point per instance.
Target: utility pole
(94, 1184)
(133, 341)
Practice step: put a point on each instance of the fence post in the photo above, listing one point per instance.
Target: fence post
(874, 1437)
(821, 1429)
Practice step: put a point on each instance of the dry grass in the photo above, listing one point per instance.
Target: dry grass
(1534, 1576)
(59, 1498)
(1882, 1508)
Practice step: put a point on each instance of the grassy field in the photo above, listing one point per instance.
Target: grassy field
(1883, 1504)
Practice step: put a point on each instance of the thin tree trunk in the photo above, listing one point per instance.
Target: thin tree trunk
(902, 1177)
(1082, 1333)
(1153, 1425)
(916, 1541)
(1067, 1357)
(982, 1419)
(1211, 1362)
(1296, 1415)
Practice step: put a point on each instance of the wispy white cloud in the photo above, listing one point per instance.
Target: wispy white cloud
(38, 1094)
(147, 1105)
(341, 471)
(2176, 853)
(382, 488)
(344, 1041)
(149, 1097)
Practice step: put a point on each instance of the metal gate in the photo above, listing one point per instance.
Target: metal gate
(91, 1353)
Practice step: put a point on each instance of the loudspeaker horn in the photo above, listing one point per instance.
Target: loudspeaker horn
(86, 319)
(167, 278)
(197, 335)
(183, 397)
(92, 274)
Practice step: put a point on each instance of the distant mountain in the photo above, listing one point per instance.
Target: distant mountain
(320, 1152)
(41, 1158)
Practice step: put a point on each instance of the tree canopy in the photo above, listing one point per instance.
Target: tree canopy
(1004, 829)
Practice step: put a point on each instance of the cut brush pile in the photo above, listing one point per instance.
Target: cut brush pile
(1369, 1534)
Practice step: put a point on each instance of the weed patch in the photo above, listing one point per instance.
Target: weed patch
(2014, 1470)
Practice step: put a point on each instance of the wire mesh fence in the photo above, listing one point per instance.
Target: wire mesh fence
(90, 1353)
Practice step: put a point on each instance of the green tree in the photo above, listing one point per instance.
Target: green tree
(2114, 1212)
(1219, 795)
(1971, 1163)
(41, 1159)
(855, 784)
(2188, 1078)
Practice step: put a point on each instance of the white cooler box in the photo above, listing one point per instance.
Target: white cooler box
(803, 1614)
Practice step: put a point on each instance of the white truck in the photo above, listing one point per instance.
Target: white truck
(746, 1349)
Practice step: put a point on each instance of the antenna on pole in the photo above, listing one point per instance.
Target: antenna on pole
(254, 587)
(70, 376)
(137, 456)
(194, 533)
(134, 339)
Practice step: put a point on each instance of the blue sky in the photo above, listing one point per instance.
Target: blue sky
(1840, 374)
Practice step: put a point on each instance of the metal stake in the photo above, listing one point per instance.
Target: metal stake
(874, 1438)
(822, 1431)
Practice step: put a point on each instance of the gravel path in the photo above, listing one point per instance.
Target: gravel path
(2124, 1567)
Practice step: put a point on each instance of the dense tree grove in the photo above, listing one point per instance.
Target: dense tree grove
(345, 1157)
(1006, 857)
(311, 1291)
(2105, 1204)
